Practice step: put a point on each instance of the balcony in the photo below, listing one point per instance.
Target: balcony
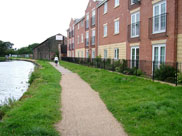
(132, 4)
(93, 21)
(158, 26)
(86, 24)
(86, 42)
(134, 32)
(93, 41)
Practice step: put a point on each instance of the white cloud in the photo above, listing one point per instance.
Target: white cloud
(24, 22)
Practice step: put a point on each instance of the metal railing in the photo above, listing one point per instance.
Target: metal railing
(163, 71)
(134, 31)
(158, 26)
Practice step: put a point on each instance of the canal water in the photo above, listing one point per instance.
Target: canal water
(14, 76)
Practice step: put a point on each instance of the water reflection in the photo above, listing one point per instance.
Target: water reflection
(14, 76)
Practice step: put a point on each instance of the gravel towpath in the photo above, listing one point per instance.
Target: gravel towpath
(83, 112)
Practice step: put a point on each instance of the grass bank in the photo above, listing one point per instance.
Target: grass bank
(2, 58)
(145, 108)
(38, 110)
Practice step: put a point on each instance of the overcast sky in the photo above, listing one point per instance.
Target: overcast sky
(24, 22)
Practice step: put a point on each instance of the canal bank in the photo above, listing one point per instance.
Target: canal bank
(38, 109)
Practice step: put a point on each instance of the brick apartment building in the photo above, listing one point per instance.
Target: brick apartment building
(148, 30)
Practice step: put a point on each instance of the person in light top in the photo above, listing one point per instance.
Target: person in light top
(56, 59)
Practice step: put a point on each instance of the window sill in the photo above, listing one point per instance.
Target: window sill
(158, 32)
(116, 6)
(105, 36)
(105, 13)
(116, 33)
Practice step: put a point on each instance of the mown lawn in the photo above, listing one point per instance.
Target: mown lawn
(39, 109)
(145, 108)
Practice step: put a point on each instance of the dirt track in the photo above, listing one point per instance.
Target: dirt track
(83, 112)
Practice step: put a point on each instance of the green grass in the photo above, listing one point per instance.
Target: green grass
(39, 109)
(2, 58)
(145, 108)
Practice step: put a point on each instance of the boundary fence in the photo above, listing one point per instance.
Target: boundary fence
(163, 71)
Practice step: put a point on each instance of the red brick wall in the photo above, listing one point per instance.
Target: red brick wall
(79, 32)
(112, 14)
(179, 16)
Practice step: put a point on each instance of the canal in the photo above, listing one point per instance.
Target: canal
(14, 76)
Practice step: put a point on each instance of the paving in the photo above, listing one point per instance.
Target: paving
(83, 112)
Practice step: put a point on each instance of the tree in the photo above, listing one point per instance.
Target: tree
(5, 48)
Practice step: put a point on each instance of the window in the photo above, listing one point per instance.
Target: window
(78, 54)
(93, 53)
(116, 53)
(78, 39)
(82, 54)
(82, 23)
(82, 38)
(116, 26)
(105, 7)
(78, 26)
(116, 3)
(159, 17)
(135, 24)
(87, 54)
(135, 57)
(105, 53)
(87, 38)
(93, 36)
(134, 2)
(87, 21)
(105, 30)
(93, 17)
(159, 54)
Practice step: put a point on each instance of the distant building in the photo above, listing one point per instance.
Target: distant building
(55, 45)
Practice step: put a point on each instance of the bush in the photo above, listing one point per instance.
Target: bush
(165, 73)
(2, 58)
(180, 77)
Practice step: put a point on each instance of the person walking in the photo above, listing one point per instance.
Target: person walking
(56, 60)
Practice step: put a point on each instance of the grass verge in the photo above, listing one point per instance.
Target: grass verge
(145, 108)
(2, 58)
(38, 110)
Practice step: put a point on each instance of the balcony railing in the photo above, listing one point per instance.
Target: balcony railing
(134, 32)
(86, 24)
(93, 40)
(158, 26)
(134, 4)
(86, 42)
(93, 21)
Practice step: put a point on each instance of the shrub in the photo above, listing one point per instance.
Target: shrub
(180, 77)
(165, 73)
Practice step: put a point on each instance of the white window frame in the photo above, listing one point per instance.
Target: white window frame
(116, 55)
(116, 3)
(155, 5)
(135, 47)
(159, 53)
(105, 53)
(82, 38)
(93, 12)
(93, 53)
(116, 26)
(105, 30)
(135, 15)
(105, 7)
(78, 39)
(78, 26)
(87, 53)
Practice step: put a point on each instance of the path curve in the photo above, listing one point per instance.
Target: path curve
(83, 112)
